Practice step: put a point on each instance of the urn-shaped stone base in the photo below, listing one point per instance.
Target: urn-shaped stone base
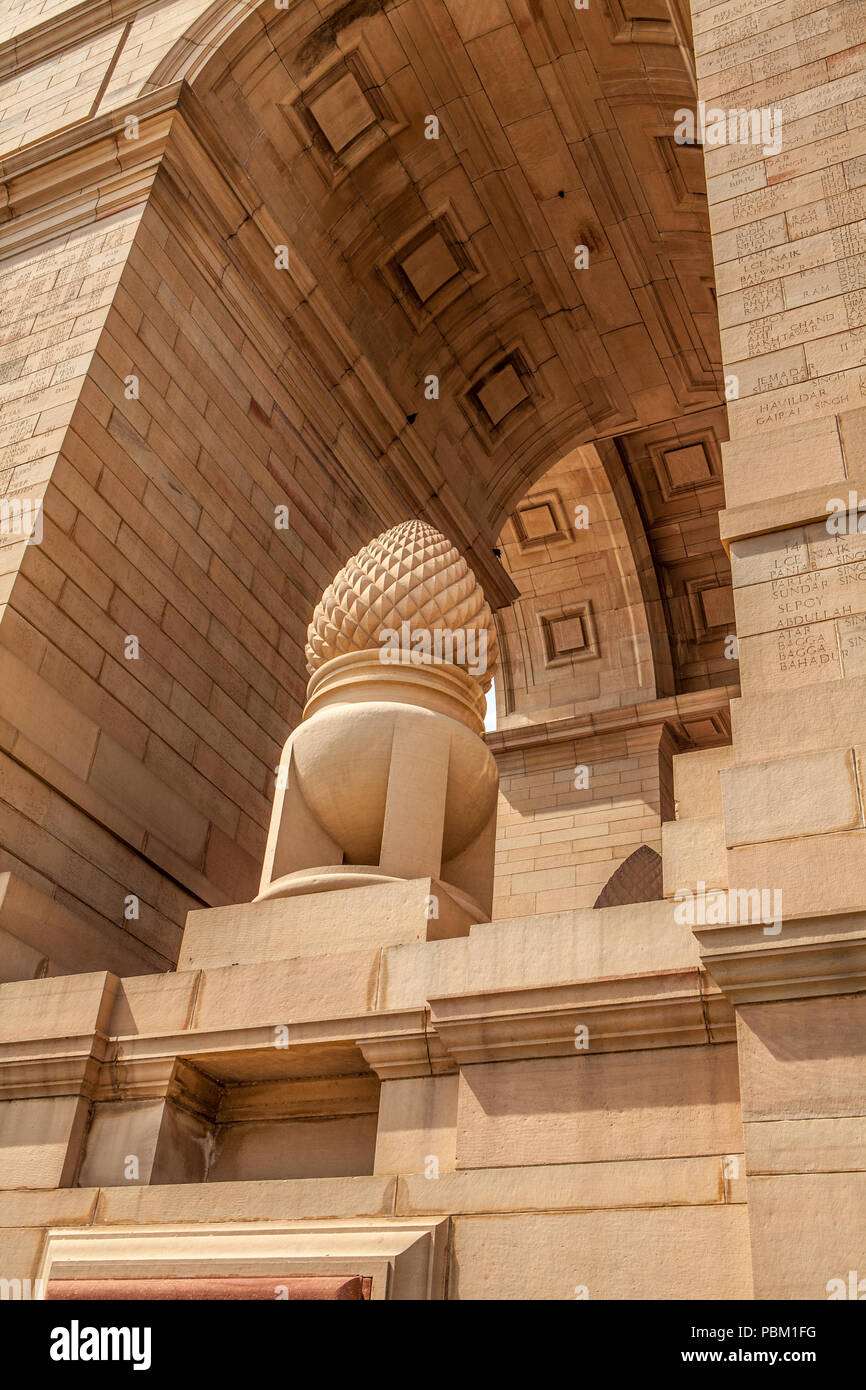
(387, 777)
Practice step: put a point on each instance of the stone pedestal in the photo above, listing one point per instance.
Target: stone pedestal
(386, 779)
(324, 923)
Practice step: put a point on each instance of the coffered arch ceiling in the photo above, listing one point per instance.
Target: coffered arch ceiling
(587, 632)
(592, 629)
(453, 258)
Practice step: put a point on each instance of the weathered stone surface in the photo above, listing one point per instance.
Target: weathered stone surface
(832, 1207)
(326, 1148)
(697, 782)
(341, 922)
(563, 1186)
(815, 794)
(659, 1103)
(289, 1199)
(834, 1145)
(20, 1252)
(801, 1060)
(417, 1128)
(63, 1207)
(283, 991)
(696, 1253)
(40, 1141)
(694, 851)
(69, 1006)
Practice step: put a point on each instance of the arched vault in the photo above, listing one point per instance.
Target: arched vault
(344, 264)
(534, 277)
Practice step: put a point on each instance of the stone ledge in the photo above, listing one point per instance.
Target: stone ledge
(634, 1013)
(628, 1183)
(811, 957)
(783, 513)
(671, 710)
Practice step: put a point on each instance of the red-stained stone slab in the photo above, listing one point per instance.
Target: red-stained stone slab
(312, 1287)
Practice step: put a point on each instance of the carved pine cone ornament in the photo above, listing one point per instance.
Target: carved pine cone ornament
(411, 573)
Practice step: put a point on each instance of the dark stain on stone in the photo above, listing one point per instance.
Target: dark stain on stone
(322, 40)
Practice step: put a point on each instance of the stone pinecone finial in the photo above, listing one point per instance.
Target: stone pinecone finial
(411, 573)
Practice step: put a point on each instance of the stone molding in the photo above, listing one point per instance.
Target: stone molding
(674, 1009)
(782, 513)
(674, 711)
(55, 1067)
(404, 1257)
(49, 38)
(86, 171)
(198, 1071)
(811, 957)
(399, 1052)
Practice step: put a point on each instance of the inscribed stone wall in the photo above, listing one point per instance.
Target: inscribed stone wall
(788, 238)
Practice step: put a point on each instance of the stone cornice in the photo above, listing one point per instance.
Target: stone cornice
(82, 173)
(54, 1067)
(397, 1051)
(675, 1009)
(809, 958)
(161, 1078)
(680, 1007)
(199, 1071)
(783, 513)
(62, 31)
(82, 138)
(674, 711)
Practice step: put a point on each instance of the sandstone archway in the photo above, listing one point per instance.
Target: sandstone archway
(218, 379)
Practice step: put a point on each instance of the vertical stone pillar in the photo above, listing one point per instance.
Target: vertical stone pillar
(788, 244)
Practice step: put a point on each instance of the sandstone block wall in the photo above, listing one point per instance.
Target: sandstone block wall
(156, 770)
